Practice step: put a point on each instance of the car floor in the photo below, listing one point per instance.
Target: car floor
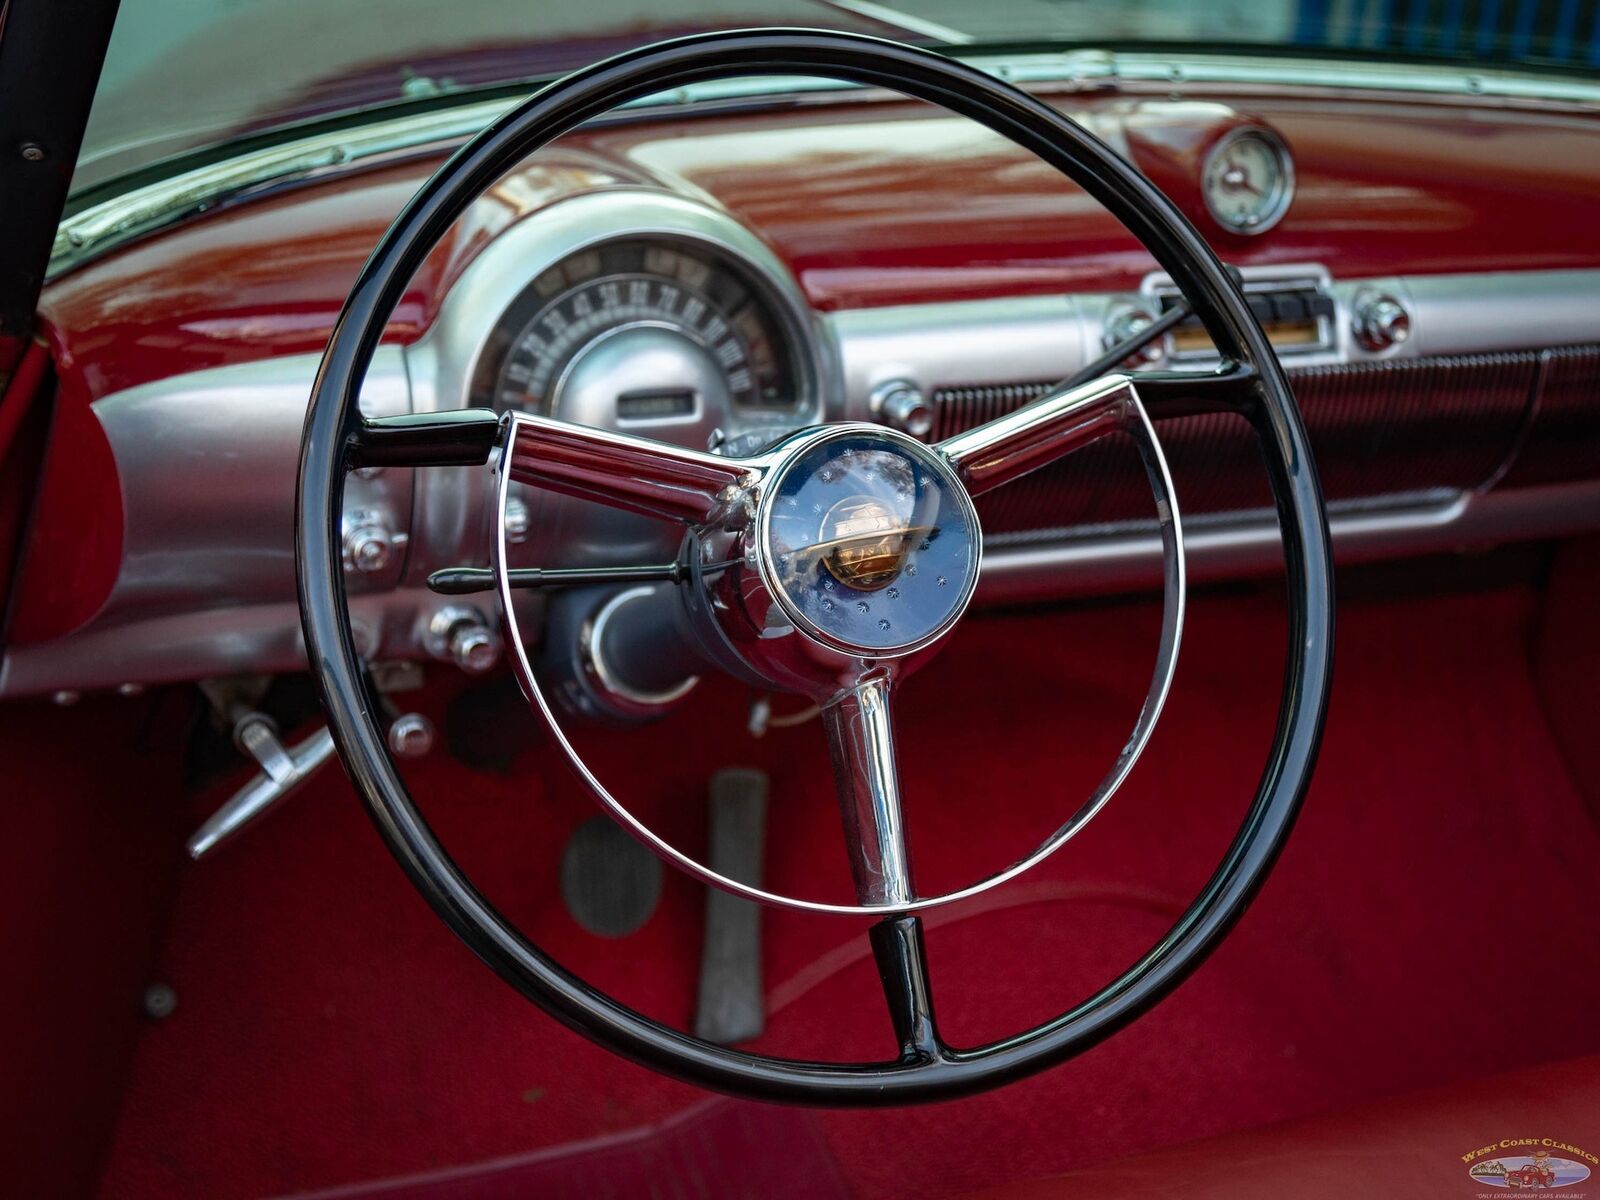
(1432, 919)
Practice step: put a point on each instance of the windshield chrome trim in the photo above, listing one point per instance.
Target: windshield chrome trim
(103, 227)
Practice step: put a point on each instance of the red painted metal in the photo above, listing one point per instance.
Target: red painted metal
(873, 204)
(74, 547)
(267, 278)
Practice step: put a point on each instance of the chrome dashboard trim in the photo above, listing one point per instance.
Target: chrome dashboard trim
(102, 227)
(453, 504)
(228, 439)
(959, 343)
(1130, 560)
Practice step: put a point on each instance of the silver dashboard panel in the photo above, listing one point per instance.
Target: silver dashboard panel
(993, 342)
(207, 463)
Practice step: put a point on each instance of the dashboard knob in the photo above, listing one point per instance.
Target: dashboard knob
(1124, 322)
(460, 634)
(369, 543)
(411, 735)
(901, 405)
(1381, 322)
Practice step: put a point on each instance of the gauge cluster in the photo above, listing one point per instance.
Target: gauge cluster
(630, 309)
(641, 329)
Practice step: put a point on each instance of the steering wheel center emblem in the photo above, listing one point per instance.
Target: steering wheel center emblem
(864, 542)
(869, 542)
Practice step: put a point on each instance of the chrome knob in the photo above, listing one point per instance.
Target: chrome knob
(1381, 322)
(475, 649)
(901, 405)
(369, 543)
(411, 735)
(517, 520)
(459, 633)
(1126, 321)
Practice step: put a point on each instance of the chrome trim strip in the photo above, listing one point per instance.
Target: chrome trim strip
(959, 343)
(1131, 561)
(105, 226)
(1172, 71)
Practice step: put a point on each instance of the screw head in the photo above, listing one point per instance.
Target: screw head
(32, 152)
(160, 1001)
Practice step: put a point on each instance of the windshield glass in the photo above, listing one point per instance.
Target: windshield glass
(183, 75)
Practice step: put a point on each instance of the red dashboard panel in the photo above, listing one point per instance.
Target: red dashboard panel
(871, 214)
(871, 204)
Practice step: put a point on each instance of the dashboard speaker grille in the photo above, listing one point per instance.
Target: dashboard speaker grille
(1403, 427)
(1563, 440)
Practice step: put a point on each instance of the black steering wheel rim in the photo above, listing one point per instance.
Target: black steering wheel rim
(334, 425)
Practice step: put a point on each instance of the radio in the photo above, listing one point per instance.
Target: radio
(1298, 316)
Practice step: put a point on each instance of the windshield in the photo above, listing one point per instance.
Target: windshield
(183, 75)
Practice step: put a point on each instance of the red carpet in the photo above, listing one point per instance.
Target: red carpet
(330, 1031)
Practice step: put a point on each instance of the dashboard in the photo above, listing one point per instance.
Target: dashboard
(721, 279)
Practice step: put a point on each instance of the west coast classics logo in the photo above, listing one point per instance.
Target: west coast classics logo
(1529, 1164)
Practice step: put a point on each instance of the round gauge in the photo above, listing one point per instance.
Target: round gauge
(1248, 181)
(640, 329)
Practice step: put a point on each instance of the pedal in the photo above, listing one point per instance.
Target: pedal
(610, 882)
(731, 1005)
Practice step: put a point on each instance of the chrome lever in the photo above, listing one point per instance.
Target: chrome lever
(283, 769)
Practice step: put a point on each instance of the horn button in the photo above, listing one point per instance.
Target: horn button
(870, 543)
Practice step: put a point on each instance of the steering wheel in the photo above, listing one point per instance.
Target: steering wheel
(804, 604)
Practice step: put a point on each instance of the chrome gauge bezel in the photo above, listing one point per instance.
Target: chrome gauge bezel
(1280, 200)
(452, 350)
(728, 283)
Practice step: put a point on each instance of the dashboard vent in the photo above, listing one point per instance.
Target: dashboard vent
(961, 408)
(1401, 427)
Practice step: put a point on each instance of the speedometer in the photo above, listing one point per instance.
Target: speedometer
(640, 329)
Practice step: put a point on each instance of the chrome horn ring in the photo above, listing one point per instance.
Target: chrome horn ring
(850, 677)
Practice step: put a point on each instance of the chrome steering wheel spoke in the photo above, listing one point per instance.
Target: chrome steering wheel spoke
(632, 473)
(860, 728)
(1064, 419)
(860, 732)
